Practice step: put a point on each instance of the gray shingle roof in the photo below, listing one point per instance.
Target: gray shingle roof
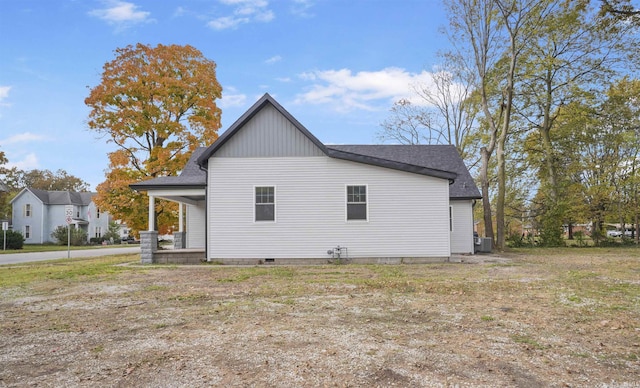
(203, 160)
(62, 197)
(433, 157)
(192, 176)
(441, 161)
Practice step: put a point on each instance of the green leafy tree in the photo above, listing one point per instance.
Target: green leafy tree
(572, 53)
(598, 156)
(490, 36)
(156, 105)
(620, 113)
(78, 236)
(113, 232)
(45, 180)
(14, 239)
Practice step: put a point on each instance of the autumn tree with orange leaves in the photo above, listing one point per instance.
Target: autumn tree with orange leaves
(157, 105)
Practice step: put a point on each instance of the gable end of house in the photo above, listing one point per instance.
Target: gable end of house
(265, 130)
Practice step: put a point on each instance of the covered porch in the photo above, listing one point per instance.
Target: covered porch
(189, 191)
(186, 249)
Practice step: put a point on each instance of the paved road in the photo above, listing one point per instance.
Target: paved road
(13, 258)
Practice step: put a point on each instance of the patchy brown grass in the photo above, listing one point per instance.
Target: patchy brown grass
(529, 318)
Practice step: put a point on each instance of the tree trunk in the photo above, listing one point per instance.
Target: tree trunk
(500, 200)
(549, 162)
(486, 201)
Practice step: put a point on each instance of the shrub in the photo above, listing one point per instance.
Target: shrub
(96, 240)
(517, 240)
(113, 232)
(78, 236)
(607, 242)
(14, 239)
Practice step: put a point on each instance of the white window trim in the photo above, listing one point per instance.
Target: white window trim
(346, 203)
(275, 205)
(450, 218)
(24, 231)
(28, 210)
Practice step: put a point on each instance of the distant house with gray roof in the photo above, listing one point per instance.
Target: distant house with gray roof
(37, 213)
(269, 191)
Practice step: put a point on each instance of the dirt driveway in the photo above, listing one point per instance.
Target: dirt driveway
(567, 318)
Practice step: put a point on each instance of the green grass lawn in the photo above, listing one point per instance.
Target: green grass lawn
(52, 247)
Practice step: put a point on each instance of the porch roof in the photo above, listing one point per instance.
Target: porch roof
(188, 187)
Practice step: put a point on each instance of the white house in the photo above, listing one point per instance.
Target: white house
(269, 191)
(37, 213)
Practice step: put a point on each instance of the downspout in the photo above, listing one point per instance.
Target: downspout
(206, 210)
(42, 208)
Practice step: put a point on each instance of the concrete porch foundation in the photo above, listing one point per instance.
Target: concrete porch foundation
(179, 256)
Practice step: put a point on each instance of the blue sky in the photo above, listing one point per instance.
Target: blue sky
(335, 65)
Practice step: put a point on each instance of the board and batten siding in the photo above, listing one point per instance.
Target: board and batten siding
(268, 134)
(195, 226)
(462, 233)
(408, 213)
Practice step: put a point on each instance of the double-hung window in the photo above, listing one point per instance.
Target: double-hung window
(27, 210)
(357, 202)
(265, 203)
(27, 231)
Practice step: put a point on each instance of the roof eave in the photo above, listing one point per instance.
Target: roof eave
(465, 198)
(142, 187)
(358, 158)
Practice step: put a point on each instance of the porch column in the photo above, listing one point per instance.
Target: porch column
(148, 246)
(179, 237)
(152, 213)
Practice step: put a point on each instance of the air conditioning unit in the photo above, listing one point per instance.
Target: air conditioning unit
(486, 244)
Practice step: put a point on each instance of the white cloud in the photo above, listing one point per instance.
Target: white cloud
(4, 93)
(232, 99)
(346, 90)
(121, 13)
(244, 11)
(265, 17)
(21, 138)
(29, 162)
(273, 59)
(300, 8)
(179, 11)
(226, 22)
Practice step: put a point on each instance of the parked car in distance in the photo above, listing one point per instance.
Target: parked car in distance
(614, 233)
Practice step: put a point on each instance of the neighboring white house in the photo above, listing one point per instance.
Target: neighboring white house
(37, 213)
(268, 190)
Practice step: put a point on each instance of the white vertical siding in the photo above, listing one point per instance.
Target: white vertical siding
(196, 225)
(462, 234)
(408, 213)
